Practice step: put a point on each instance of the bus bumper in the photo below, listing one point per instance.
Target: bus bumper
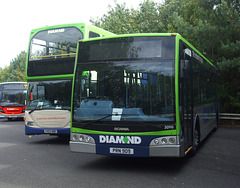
(152, 151)
(50, 131)
(12, 116)
(165, 151)
(82, 147)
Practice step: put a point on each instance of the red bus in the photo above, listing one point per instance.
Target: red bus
(13, 99)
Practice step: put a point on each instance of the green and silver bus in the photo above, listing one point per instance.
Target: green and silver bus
(49, 72)
(142, 95)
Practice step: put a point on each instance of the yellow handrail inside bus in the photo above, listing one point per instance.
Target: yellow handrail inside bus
(35, 57)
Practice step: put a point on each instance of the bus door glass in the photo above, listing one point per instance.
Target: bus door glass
(186, 97)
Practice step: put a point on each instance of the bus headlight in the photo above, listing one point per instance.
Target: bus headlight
(74, 137)
(88, 139)
(30, 123)
(156, 141)
(166, 140)
(82, 138)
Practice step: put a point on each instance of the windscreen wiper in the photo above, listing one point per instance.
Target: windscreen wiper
(103, 118)
(31, 111)
(51, 108)
(38, 108)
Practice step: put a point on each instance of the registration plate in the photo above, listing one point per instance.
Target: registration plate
(49, 131)
(127, 151)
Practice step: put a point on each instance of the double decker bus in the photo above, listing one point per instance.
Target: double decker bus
(49, 72)
(13, 99)
(142, 95)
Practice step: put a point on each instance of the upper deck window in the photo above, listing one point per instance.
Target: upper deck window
(55, 43)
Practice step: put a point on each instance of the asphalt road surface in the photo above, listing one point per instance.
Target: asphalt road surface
(45, 161)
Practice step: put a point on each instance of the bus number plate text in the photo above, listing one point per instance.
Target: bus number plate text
(127, 151)
(49, 131)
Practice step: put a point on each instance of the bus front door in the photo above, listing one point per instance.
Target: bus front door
(186, 102)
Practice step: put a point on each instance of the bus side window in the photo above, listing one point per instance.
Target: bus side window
(93, 35)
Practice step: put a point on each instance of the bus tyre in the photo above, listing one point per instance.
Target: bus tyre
(196, 142)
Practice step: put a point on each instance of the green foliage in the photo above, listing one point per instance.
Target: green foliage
(118, 20)
(121, 20)
(16, 70)
(230, 87)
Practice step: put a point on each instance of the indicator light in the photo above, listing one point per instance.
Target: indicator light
(171, 140)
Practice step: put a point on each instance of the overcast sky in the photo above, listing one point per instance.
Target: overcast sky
(19, 17)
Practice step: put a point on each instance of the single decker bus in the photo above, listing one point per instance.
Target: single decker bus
(13, 99)
(142, 95)
(49, 72)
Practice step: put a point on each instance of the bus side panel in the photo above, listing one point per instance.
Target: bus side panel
(207, 118)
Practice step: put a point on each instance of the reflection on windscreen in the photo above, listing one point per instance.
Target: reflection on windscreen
(55, 43)
(49, 95)
(125, 91)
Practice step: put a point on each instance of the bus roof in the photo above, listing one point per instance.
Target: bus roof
(57, 26)
(82, 25)
(131, 35)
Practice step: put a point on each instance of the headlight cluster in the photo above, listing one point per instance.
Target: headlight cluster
(30, 123)
(167, 140)
(82, 138)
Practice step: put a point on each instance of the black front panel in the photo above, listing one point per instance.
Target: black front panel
(56, 66)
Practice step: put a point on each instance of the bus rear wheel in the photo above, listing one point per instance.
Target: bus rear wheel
(196, 142)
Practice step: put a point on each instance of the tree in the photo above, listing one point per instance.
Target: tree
(121, 20)
(117, 20)
(16, 70)
(4, 74)
(229, 62)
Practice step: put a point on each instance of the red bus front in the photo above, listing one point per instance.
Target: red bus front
(13, 99)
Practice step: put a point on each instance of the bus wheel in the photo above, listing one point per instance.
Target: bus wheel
(196, 142)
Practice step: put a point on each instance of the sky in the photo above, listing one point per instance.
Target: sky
(19, 17)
